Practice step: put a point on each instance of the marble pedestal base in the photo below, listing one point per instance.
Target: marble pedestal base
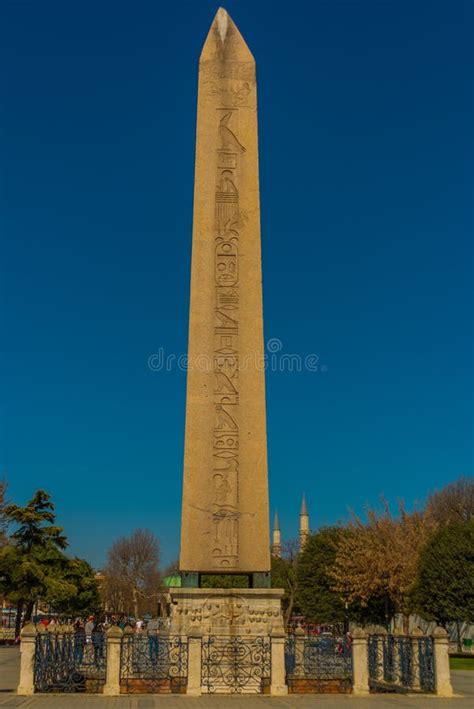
(236, 636)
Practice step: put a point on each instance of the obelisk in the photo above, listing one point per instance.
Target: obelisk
(225, 525)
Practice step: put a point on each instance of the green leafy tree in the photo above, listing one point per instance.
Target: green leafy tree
(86, 597)
(27, 577)
(32, 564)
(316, 597)
(284, 576)
(35, 523)
(224, 581)
(444, 589)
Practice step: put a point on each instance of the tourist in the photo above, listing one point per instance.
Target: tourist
(153, 629)
(97, 636)
(79, 642)
(89, 628)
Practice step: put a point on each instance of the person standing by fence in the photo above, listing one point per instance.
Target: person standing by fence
(79, 642)
(98, 641)
(153, 629)
(89, 627)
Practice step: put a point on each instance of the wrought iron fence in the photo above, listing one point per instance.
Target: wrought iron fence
(400, 663)
(67, 662)
(424, 651)
(318, 664)
(153, 663)
(235, 665)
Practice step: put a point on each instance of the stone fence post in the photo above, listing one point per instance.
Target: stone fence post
(360, 662)
(26, 685)
(194, 662)
(278, 685)
(416, 634)
(112, 676)
(441, 663)
(299, 639)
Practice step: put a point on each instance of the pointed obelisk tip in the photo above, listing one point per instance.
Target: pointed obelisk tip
(276, 521)
(222, 19)
(224, 39)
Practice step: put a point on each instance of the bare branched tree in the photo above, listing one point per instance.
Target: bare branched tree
(171, 569)
(454, 503)
(132, 577)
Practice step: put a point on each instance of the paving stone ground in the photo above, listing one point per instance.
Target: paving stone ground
(9, 668)
(463, 682)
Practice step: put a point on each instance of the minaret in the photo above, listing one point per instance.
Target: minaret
(304, 524)
(276, 546)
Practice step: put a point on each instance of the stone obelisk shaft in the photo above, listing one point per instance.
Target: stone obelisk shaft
(225, 526)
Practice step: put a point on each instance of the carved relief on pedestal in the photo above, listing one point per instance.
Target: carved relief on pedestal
(229, 612)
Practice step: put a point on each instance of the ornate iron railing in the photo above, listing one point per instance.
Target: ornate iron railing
(67, 662)
(400, 663)
(153, 663)
(235, 665)
(318, 664)
(424, 650)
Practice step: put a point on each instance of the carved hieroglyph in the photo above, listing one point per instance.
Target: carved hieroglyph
(225, 494)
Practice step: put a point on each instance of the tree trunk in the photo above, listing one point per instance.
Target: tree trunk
(29, 611)
(289, 610)
(458, 632)
(19, 613)
(135, 602)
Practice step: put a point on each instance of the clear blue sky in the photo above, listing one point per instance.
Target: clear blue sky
(366, 127)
